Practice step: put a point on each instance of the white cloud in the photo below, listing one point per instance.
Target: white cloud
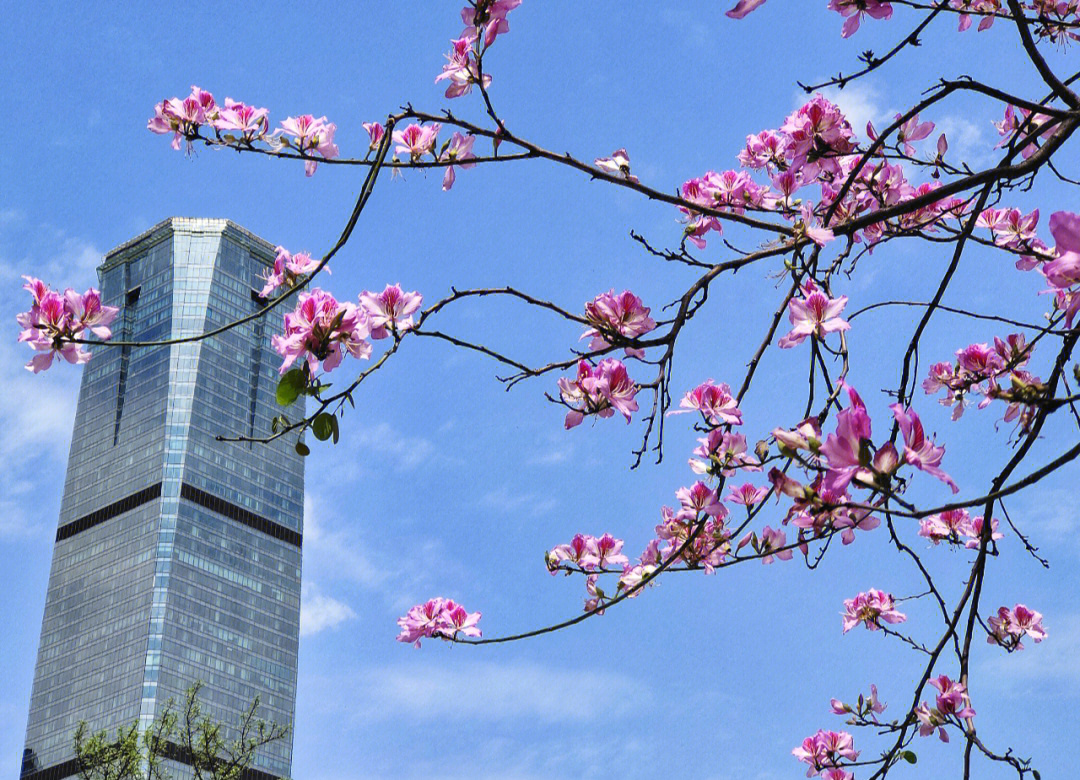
(335, 553)
(319, 611)
(860, 103)
(508, 501)
(435, 690)
(968, 142)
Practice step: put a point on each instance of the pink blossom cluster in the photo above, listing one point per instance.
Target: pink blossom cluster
(956, 526)
(54, 323)
(1055, 18)
(869, 608)
(1009, 626)
(309, 136)
(438, 618)
(239, 123)
(1060, 265)
(418, 141)
(952, 706)
(715, 403)
(700, 511)
(588, 553)
(825, 752)
(601, 555)
(846, 459)
(980, 369)
(816, 145)
(320, 330)
(485, 20)
(818, 510)
(848, 455)
(287, 270)
(599, 390)
(617, 316)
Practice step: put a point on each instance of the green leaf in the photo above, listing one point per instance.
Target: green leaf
(1035, 774)
(302, 449)
(291, 386)
(323, 426)
(337, 433)
(910, 757)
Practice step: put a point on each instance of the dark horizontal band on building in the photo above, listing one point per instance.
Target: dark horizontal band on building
(241, 515)
(172, 752)
(125, 504)
(195, 496)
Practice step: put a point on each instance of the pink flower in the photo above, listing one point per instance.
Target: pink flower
(715, 402)
(952, 699)
(825, 750)
(810, 226)
(589, 553)
(1010, 625)
(581, 550)
(416, 140)
(618, 164)
(870, 607)
(54, 323)
(319, 330)
(310, 136)
(287, 270)
(772, 542)
(974, 531)
(806, 436)
(632, 576)
(929, 720)
(697, 500)
(601, 390)
(440, 618)
(814, 314)
(252, 123)
(1064, 271)
(461, 69)
(819, 133)
(912, 130)
(747, 495)
(609, 552)
(459, 149)
(768, 149)
(623, 314)
(375, 133)
(183, 118)
(854, 9)
(946, 526)
(723, 452)
(743, 7)
(843, 450)
(489, 15)
(391, 309)
(919, 452)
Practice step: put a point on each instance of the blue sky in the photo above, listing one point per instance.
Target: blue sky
(444, 484)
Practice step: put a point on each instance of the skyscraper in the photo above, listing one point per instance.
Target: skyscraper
(177, 556)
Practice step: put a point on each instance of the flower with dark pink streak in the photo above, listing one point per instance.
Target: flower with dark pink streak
(869, 608)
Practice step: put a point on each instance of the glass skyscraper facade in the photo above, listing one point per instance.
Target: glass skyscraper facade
(177, 556)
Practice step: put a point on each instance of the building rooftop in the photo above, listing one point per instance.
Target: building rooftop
(260, 247)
